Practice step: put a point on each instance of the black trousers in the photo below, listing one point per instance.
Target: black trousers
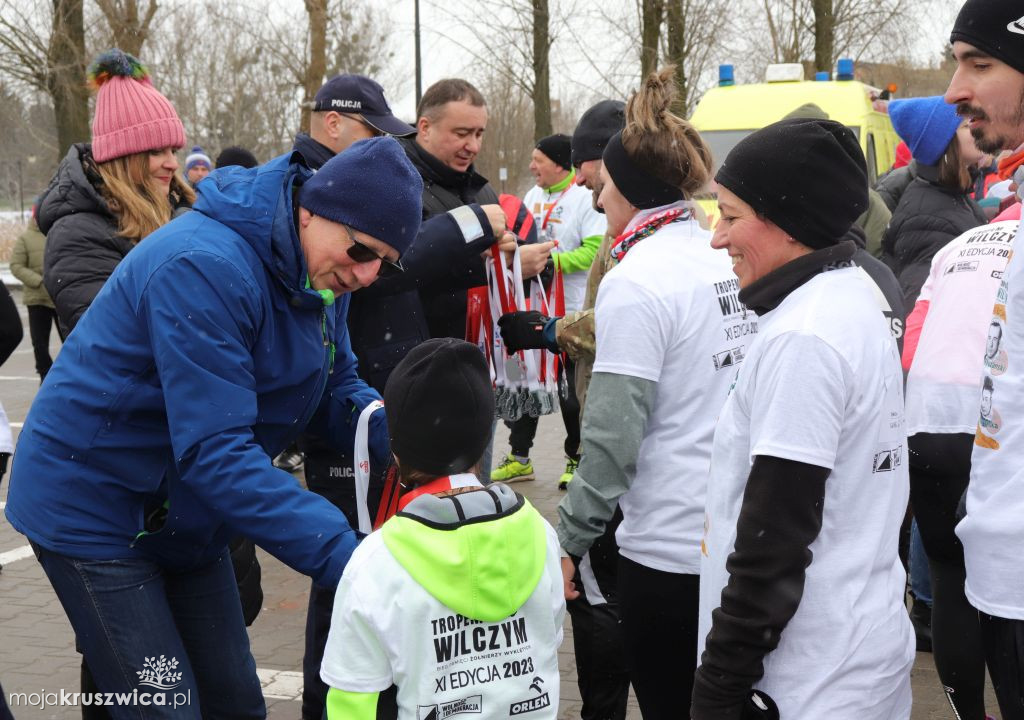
(940, 468)
(40, 319)
(328, 474)
(601, 669)
(1004, 651)
(659, 626)
(524, 430)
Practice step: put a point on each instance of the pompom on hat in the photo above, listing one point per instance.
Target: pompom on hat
(198, 157)
(131, 115)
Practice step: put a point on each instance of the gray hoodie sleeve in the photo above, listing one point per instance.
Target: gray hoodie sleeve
(614, 423)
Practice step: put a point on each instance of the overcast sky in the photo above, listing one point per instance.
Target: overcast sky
(443, 56)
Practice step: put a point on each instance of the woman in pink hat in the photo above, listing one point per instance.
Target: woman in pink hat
(108, 195)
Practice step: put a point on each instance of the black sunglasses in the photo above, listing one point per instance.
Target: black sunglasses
(362, 254)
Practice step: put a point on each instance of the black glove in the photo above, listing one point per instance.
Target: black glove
(523, 330)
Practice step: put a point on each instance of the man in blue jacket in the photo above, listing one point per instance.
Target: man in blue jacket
(213, 344)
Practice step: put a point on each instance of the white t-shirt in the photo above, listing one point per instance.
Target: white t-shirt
(822, 385)
(945, 377)
(572, 219)
(669, 313)
(993, 530)
(386, 629)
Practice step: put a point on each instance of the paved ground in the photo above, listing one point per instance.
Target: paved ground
(37, 650)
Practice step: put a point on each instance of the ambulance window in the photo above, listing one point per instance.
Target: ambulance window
(872, 161)
(721, 143)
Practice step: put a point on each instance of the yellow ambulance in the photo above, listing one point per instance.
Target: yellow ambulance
(728, 113)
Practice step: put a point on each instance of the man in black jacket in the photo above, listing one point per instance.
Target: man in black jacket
(429, 298)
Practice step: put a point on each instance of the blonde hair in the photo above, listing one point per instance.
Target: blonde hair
(140, 206)
(660, 141)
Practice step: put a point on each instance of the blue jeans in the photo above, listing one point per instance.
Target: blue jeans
(920, 577)
(134, 621)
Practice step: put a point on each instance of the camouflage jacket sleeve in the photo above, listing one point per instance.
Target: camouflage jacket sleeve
(575, 334)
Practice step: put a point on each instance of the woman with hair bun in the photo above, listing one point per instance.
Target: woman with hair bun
(670, 332)
(108, 195)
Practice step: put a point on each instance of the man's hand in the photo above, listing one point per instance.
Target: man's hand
(568, 586)
(523, 330)
(496, 216)
(533, 258)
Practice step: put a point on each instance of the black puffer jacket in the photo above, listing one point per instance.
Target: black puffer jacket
(444, 189)
(926, 219)
(894, 183)
(82, 244)
(393, 315)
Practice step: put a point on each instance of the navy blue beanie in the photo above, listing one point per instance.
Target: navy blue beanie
(371, 187)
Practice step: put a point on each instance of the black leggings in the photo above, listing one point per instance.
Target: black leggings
(1004, 649)
(659, 630)
(940, 468)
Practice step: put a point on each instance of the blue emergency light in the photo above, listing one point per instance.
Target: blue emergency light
(821, 76)
(844, 69)
(725, 76)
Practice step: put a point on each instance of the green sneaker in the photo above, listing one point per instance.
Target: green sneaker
(570, 470)
(511, 470)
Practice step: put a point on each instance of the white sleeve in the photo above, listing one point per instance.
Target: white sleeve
(591, 221)
(354, 657)
(799, 400)
(554, 568)
(633, 329)
(938, 263)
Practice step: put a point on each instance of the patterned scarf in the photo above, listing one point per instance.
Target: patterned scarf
(624, 242)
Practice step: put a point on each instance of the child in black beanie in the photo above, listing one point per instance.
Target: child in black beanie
(457, 600)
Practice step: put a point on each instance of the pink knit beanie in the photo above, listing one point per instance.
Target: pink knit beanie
(131, 116)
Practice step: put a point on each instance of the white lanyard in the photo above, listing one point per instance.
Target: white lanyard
(361, 465)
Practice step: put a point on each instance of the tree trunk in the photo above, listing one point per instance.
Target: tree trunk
(128, 31)
(65, 78)
(541, 71)
(676, 28)
(651, 13)
(824, 35)
(317, 67)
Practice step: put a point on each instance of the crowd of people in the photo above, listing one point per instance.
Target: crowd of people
(753, 411)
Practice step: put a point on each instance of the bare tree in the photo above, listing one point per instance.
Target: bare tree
(53, 63)
(829, 29)
(130, 22)
(541, 94)
(652, 12)
(244, 81)
(316, 68)
(526, 31)
(824, 35)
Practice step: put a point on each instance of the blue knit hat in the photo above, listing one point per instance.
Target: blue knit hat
(926, 125)
(197, 157)
(371, 187)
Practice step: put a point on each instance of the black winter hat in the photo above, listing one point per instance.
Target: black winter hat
(595, 129)
(806, 175)
(440, 406)
(235, 155)
(558, 148)
(995, 27)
